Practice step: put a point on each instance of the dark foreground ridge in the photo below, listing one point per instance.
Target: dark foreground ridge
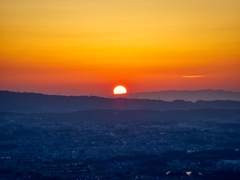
(121, 116)
(33, 102)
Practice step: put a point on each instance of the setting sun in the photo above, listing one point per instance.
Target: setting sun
(119, 90)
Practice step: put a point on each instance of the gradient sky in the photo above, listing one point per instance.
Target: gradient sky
(78, 47)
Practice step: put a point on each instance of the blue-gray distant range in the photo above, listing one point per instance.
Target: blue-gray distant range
(205, 95)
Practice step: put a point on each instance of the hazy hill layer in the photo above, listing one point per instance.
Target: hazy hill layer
(117, 116)
(206, 95)
(32, 102)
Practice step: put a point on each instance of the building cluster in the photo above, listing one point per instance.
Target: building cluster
(30, 147)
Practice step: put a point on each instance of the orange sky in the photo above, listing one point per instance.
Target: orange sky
(77, 47)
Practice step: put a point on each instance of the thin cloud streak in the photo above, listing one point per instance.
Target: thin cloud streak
(197, 76)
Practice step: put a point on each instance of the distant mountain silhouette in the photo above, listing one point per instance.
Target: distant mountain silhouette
(32, 102)
(206, 95)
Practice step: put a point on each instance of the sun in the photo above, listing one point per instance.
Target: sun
(119, 90)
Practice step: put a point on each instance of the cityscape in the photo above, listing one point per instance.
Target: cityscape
(121, 144)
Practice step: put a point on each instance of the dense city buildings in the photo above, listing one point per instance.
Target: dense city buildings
(193, 148)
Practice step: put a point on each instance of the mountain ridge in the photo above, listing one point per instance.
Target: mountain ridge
(171, 95)
(33, 102)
